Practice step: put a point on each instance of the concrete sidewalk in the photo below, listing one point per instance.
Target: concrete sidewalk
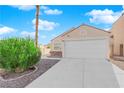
(99, 74)
(78, 73)
(120, 75)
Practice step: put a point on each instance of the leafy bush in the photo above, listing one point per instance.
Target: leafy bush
(18, 54)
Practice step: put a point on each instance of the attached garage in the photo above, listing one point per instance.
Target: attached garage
(84, 41)
(86, 48)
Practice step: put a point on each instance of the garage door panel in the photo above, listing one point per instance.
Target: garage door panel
(86, 49)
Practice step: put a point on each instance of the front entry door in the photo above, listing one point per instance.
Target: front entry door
(121, 49)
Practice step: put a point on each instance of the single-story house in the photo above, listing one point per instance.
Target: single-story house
(45, 49)
(117, 38)
(81, 40)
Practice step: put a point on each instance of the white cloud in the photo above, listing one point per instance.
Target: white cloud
(123, 7)
(49, 11)
(53, 12)
(45, 25)
(43, 37)
(28, 34)
(105, 16)
(44, 7)
(6, 30)
(32, 35)
(54, 35)
(24, 7)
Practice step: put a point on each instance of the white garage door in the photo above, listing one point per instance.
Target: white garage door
(97, 48)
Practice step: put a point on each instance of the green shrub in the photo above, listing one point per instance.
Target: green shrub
(18, 53)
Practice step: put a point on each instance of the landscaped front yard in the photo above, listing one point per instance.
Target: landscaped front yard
(20, 62)
(20, 80)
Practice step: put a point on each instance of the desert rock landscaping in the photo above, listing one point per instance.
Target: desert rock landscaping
(20, 80)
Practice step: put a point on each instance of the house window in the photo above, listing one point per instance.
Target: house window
(57, 46)
(112, 50)
(121, 49)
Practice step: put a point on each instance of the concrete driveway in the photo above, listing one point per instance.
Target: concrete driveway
(78, 73)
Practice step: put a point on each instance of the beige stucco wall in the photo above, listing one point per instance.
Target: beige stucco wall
(53, 42)
(92, 32)
(118, 35)
(74, 34)
(85, 31)
(79, 33)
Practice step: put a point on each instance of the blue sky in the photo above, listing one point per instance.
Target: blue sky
(54, 20)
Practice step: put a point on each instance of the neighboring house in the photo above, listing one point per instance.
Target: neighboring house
(45, 49)
(117, 38)
(83, 32)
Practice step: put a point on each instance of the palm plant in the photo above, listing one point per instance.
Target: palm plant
(37, 22)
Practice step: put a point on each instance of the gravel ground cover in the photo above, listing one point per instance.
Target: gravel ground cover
(23, 79)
